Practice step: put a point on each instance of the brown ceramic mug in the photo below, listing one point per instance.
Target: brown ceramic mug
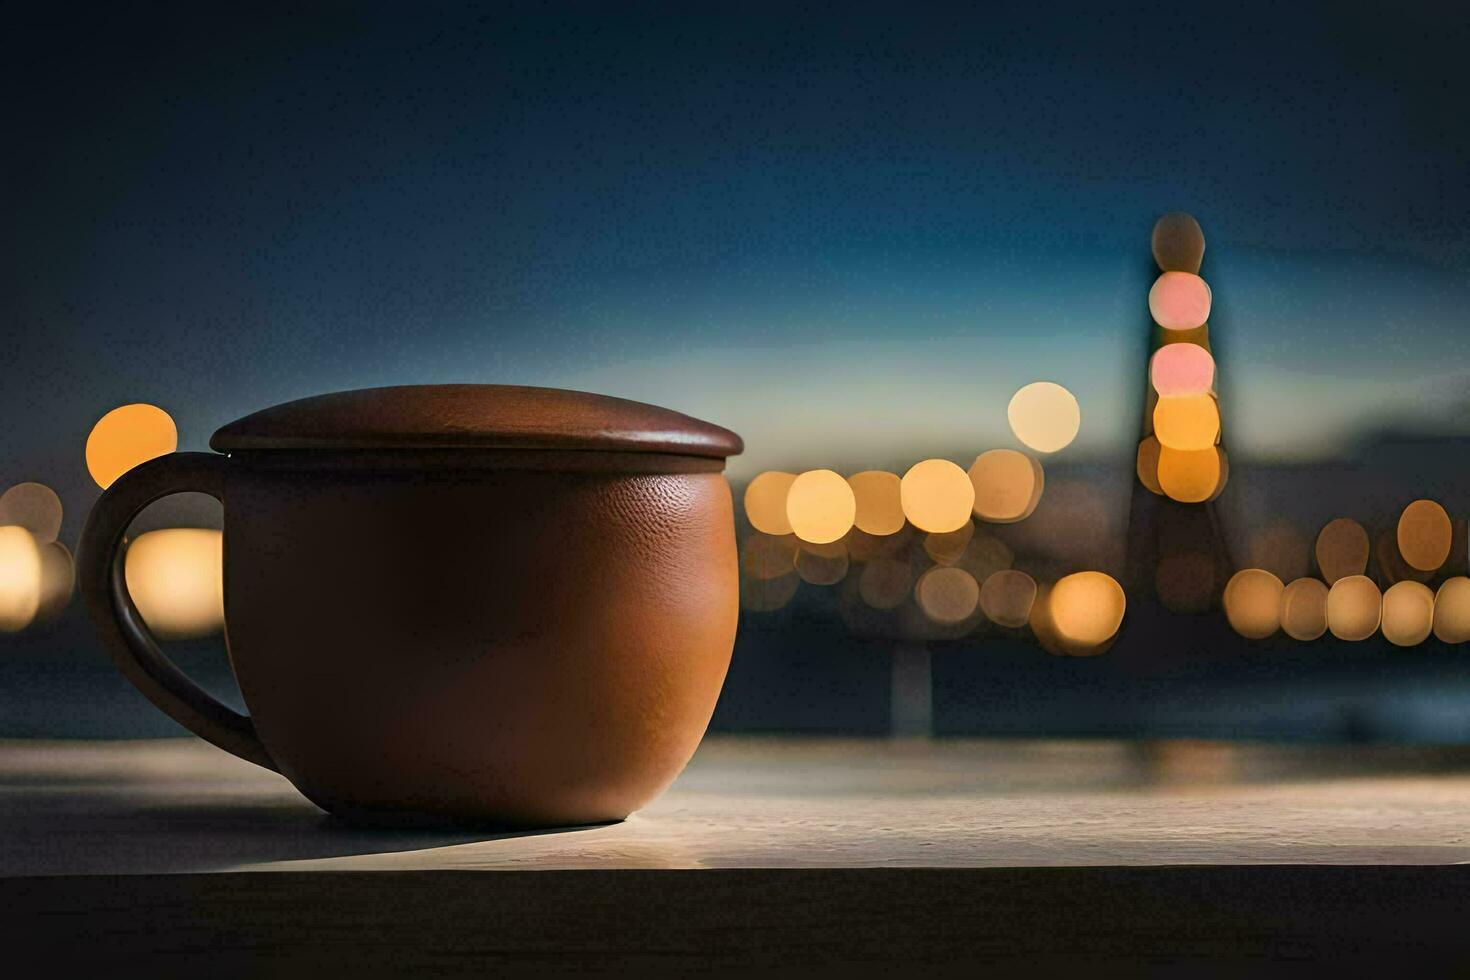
(474, 602)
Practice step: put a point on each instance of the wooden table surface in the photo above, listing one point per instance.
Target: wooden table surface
(992, 838)
(179, 805)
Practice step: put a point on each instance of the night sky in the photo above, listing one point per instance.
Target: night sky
(849, 235)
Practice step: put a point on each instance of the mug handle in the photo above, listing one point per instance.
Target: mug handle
(100, 575)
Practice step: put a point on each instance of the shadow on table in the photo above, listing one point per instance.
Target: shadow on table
(128, 836)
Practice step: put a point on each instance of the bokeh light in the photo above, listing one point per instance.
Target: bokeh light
(947, 595)
(1253, 603)
(1178, 243)
(937, 496)
(820, 506)
(1342, 550)
(1452, 610)
(127, 436)
(1408, 613)
(1391, 565)
(1006, 598)
(862, 546)
(1187, 423)
(58, 579)
(1007, 485)
(768, 595)
(1043, 626)
(885, 583)
(1281, 549)
(1179, 301)
(1044, 416)
(765, 502)
(948, 547)
(822, 564)
(20, 578)
(174, 576)
(1191, 476)
(1354, 608)
(1147, 464)
(35, 507)
(1304, 609)
(1087, 607)
(985, 555)
(766, 556)
(1180, 370)
(879, 502)
(1424, 535)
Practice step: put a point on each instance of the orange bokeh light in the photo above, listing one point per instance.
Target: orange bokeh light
(820, 506)
(127, 436)
(937, 495)
(1187, 422)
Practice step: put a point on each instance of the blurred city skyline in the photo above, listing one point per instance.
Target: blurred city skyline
(848, 237)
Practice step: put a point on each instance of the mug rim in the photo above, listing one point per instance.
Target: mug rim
(472, 460)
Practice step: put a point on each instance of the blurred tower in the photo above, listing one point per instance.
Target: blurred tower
(1177, 558)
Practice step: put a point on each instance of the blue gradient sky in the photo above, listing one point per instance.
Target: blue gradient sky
(849, 235)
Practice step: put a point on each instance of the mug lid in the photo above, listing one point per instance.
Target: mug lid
(471, 416)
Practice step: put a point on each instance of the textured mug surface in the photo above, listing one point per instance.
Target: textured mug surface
(473, 602)
(532, 646)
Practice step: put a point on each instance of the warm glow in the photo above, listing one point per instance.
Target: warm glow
(1280, 549)
(820, 506)
(822, 564)
(1187, 423)
(1147, 465)
(1253, 603)
(1391, 565)
(1179, 301)
(1178, 243)
(764, 556)
(1354, 608)
(1087, 607)
(862, 546)
(947, 595)
(1191, 476)
(1304, 609)
(937, 495)
(768, 595)
(879, 504)
(885, 583)
(948, 547)
(1452, 610)
(127, 436)
(20, 578)
(175, 578)
(35, 507)
(985, 555)
(1180, 370)
(1006, 598)
(1008, 485)
(1045, 416)
(1042, 625)
(765, 502)
(1186, 581)
(1408, 613)
(1342, 549)
(58, 578)
(1424, 535)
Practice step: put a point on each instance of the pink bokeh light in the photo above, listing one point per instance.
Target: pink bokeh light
(1182, 369)
(1179, 301)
